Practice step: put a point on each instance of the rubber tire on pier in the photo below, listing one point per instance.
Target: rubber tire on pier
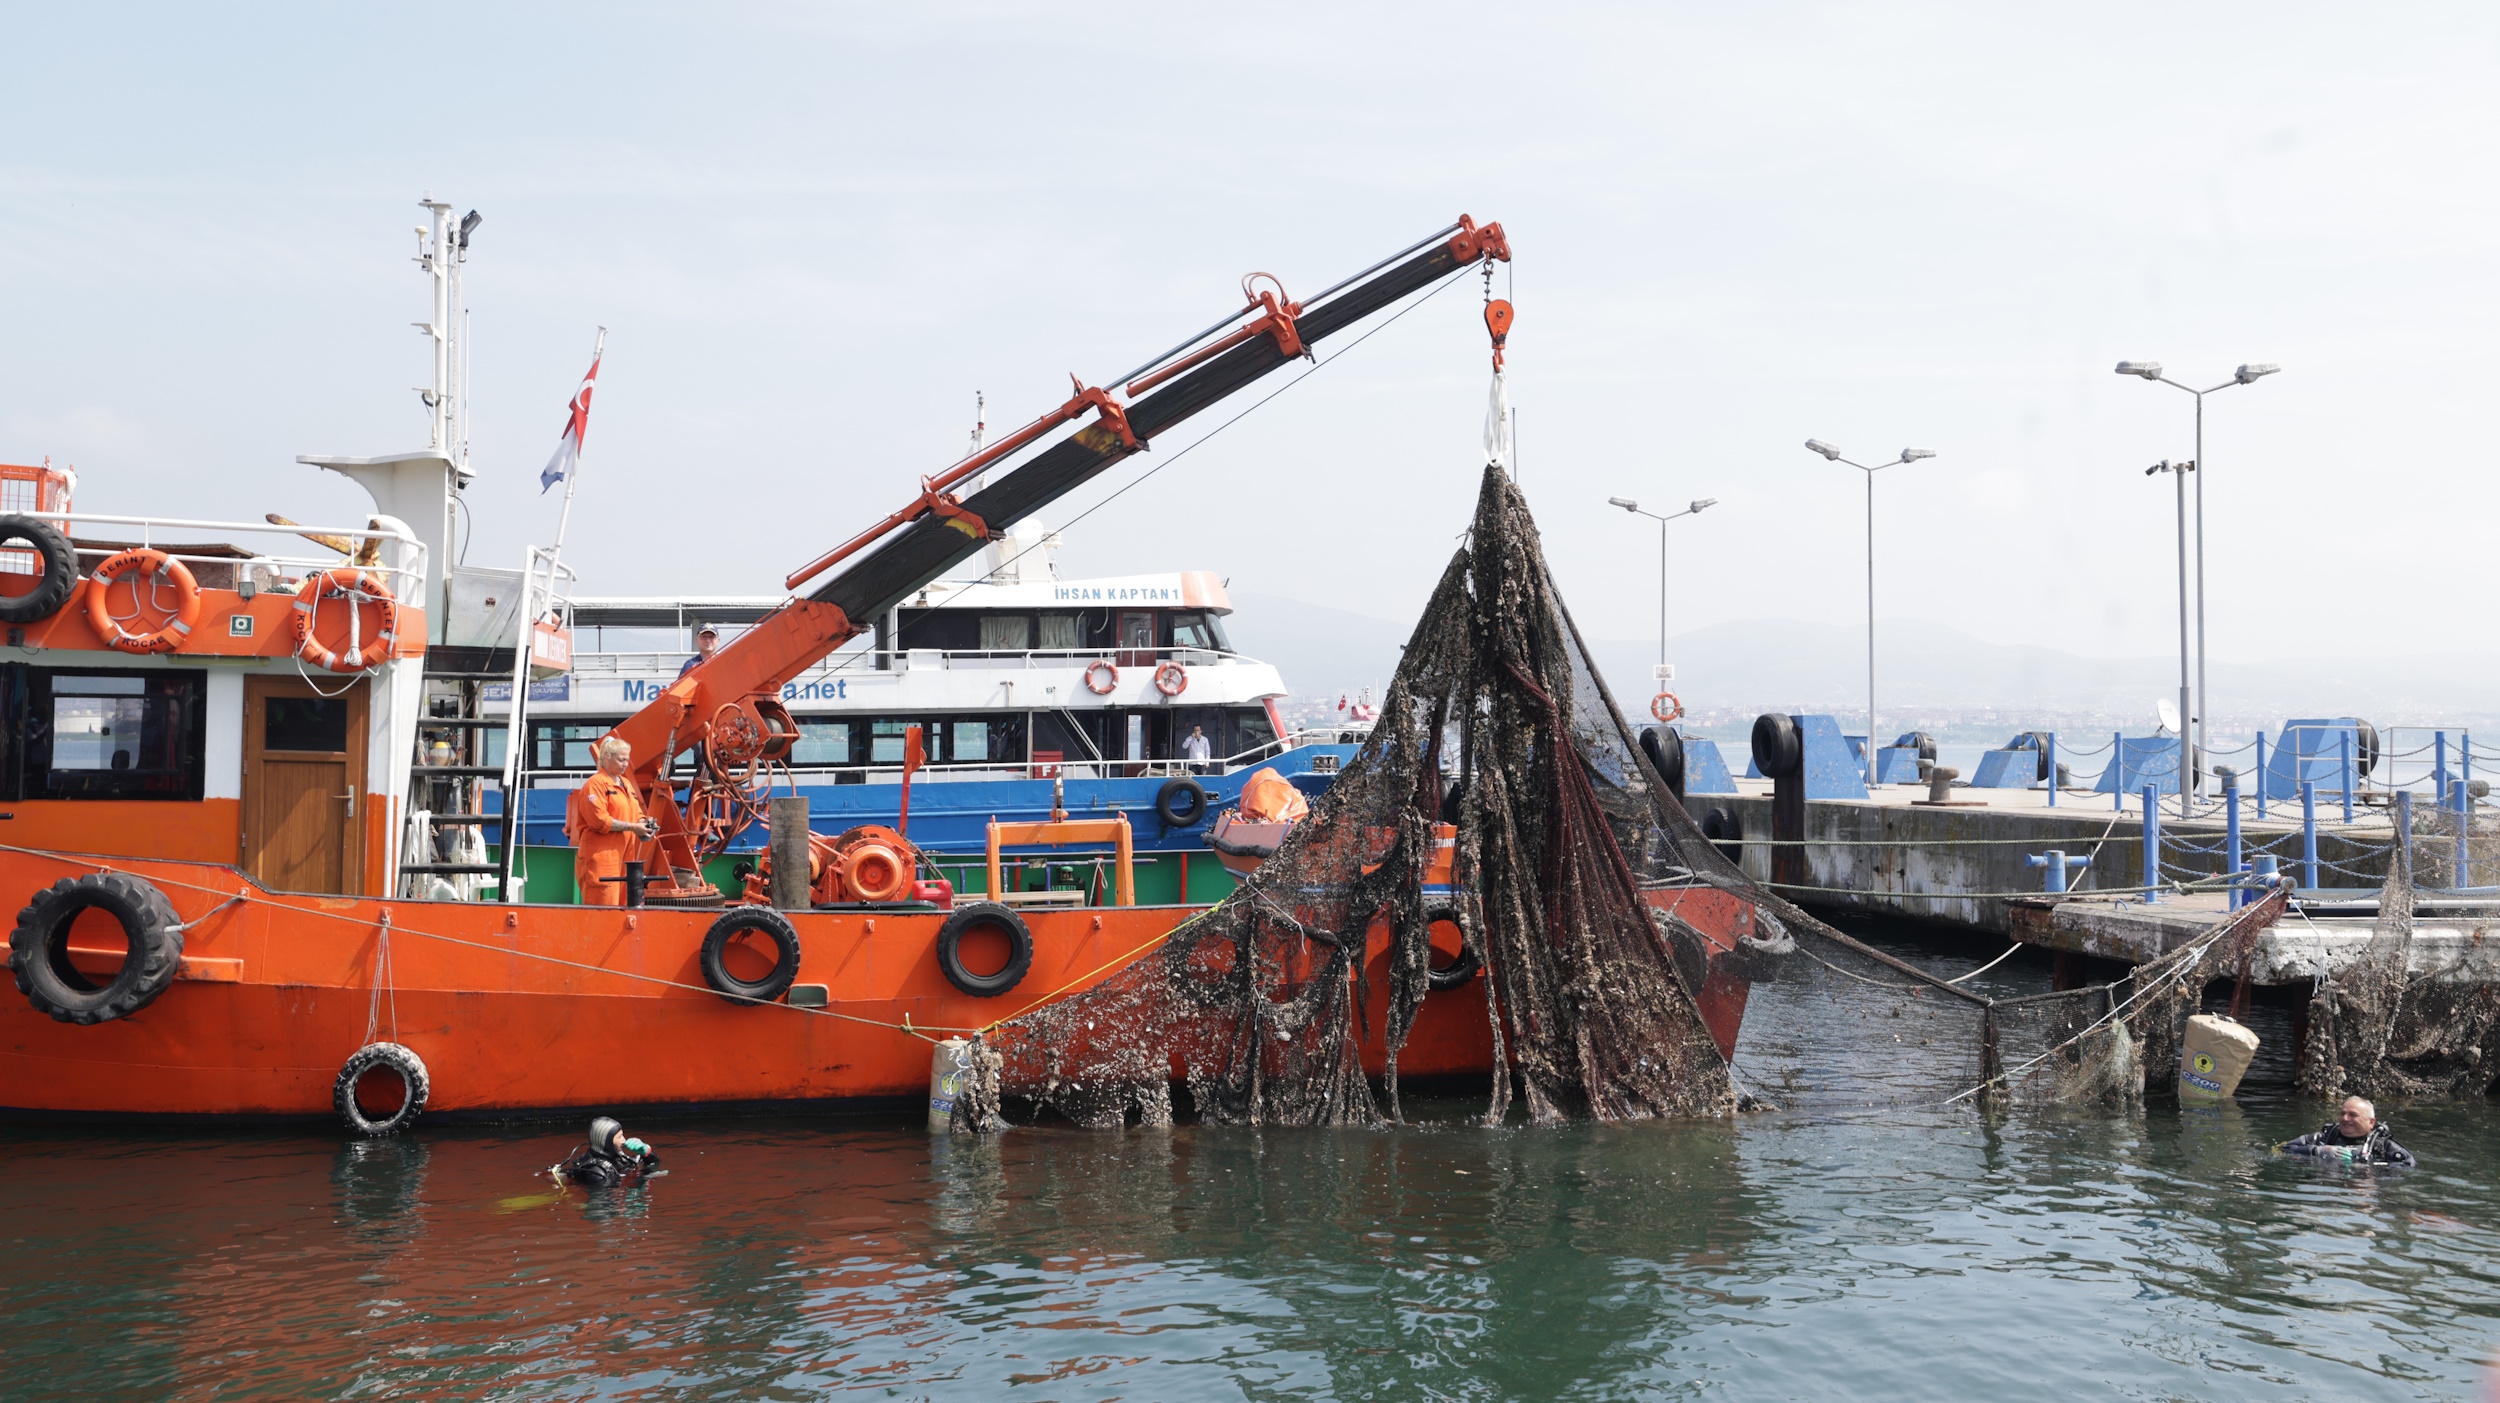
(2365, 748)
(39, 948)
(950, 949)
(1922, 742)
(1778, 751)
(1456, 973)
(2039, 744)
(377, 1056)
(60, 570)
(1726, 832)
(1665, 748)
(1181, 803)
(742, 920)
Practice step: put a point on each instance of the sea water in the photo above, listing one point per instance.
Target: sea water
(1915, 1253)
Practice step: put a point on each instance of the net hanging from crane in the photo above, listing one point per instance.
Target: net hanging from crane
(1259, 1007)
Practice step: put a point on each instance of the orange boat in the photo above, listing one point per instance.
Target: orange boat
(250, 788)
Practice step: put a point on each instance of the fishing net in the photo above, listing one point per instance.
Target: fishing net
(2394, 1022)
(1580, 887)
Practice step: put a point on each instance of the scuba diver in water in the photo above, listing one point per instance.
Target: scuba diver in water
(2356, 1134)
(609, 1159)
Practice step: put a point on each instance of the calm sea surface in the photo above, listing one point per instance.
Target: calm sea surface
(1898, 1255)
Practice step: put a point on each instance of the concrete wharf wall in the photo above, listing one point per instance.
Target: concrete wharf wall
(1887, 856)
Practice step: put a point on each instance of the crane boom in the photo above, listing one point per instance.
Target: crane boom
(730, 705)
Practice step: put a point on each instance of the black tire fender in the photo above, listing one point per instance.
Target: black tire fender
(60, 569)
(1456, 973)
(1726, 832)
(746, 920)
(372, 1057)
(39, 948)
(1665, 748)
(1181, 803)
(1778, 751)
(950, 949)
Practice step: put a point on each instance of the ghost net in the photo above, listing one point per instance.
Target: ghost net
(1496, 723)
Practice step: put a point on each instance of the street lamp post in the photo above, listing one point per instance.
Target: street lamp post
(2248, 374)
(1635, 508)
(1908, 455)
(2188, 750)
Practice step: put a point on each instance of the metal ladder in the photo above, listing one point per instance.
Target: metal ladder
(462, 775)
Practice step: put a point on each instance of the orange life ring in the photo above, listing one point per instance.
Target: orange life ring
(1171, 679)
(1666, 706)
(365, 649)
(1109, 678)
(158, 568)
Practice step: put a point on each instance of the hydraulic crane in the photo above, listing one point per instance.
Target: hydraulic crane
(728, 710)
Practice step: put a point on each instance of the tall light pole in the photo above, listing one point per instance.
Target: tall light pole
(2187, 750)
(1908, 455)
(2248, 374)
(1635, 508)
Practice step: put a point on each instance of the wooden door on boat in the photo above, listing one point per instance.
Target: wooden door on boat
(303, 785)
(1137, 640)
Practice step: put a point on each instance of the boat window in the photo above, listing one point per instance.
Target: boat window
(304, 723)
(1060, 631)
(566, 745)
(1137, 630)
(822, 743)
(1195, 631)
(1251, 729)
(956, 630)
(971, 741)
(885, 742)
(114, 735)
(1005, 633)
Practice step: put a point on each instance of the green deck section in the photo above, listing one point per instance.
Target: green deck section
(547, 875)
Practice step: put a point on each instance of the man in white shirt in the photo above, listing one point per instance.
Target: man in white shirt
(1196, 750)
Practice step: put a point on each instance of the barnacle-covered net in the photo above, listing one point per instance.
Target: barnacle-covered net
(1580, 887)
(2393, 1023)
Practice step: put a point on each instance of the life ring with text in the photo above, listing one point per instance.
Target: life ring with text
(1101, 678)
(365, 648)
(147, 572)
(1171, 679)
(1666, 706)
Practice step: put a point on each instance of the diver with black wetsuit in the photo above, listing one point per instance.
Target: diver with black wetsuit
(609, 1159)
(2356, 1134)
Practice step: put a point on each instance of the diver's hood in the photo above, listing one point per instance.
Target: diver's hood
(602, 1130)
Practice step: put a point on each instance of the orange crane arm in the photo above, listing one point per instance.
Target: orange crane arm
(730, 703)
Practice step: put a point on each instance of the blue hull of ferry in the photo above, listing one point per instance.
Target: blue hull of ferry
(952, 816)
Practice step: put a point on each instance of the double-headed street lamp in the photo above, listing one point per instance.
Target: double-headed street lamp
(1635, 508)
(1908, 455)
(2246, 375)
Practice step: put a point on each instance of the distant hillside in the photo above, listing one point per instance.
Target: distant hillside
(1770, 663)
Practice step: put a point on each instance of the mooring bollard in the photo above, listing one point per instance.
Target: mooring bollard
(1940, 783)
(2231, 833)
(2309, 834)
(2056, 862)
(786, 825)
(2152, 844)
(2269, 874)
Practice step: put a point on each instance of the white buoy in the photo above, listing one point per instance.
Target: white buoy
(2213, 1057)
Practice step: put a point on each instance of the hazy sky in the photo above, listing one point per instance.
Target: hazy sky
(813, 232)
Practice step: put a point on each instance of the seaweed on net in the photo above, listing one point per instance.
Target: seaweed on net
(1592, 994)
(2381, 1027)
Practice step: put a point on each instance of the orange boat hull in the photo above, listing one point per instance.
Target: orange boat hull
(518, 1010)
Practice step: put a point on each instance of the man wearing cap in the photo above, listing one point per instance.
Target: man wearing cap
(706, 643)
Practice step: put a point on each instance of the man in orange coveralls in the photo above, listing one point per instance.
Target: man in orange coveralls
(605, 821)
